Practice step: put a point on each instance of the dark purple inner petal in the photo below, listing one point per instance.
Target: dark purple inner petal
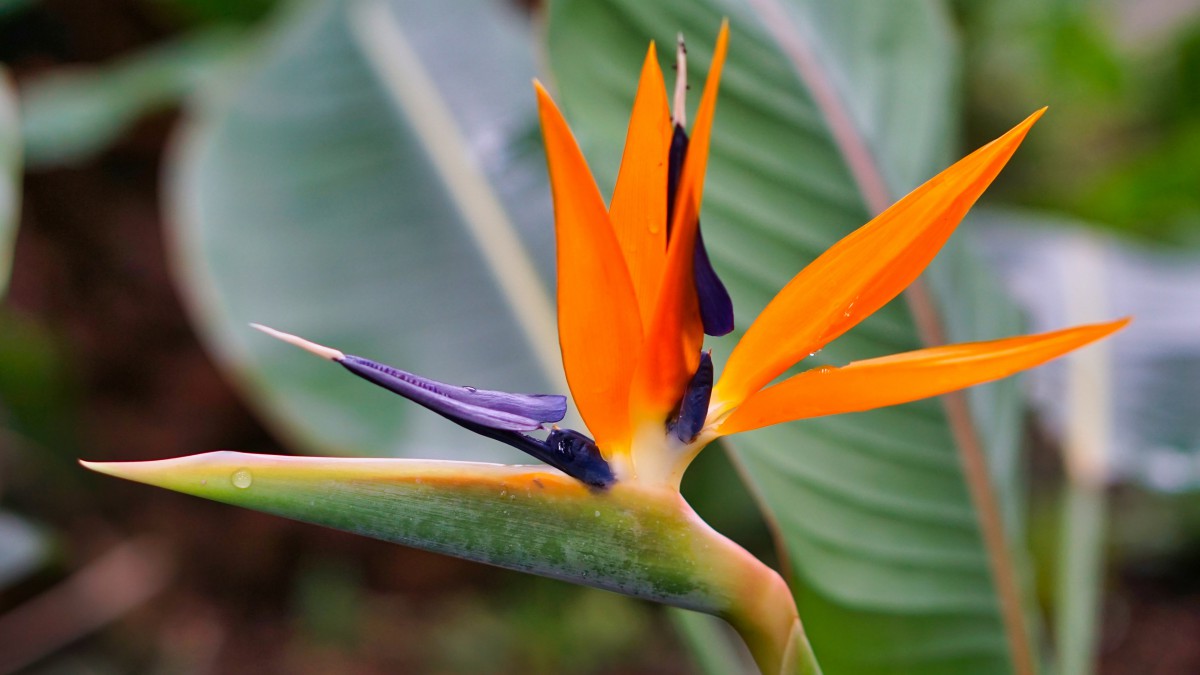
(693, 407)
(498, 415)
(495, 409)
(564, 449)
(675, 157)
(577, 456)
(716, 308)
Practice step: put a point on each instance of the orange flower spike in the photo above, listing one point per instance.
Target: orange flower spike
(599, 328)
(675, 335)
(862, 272)
(901, 378)
(639, 202)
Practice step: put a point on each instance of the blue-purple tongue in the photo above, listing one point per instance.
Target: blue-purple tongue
(687, 422)
(716, 308)
(493, 409)
(497, 415)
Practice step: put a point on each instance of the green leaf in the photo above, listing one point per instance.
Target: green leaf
(644, 542)
(71, 114)
(372, 181)
(829, 111)
(10, 175)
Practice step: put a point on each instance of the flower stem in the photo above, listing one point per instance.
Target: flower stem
(767, 620)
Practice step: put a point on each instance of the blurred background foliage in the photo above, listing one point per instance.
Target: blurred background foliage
(99, 359)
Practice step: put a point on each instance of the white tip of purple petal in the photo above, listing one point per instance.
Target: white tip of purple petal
(679, 114)
(311, 347)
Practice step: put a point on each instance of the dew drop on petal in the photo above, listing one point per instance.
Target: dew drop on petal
(242, 479)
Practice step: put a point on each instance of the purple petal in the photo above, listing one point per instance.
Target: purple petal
(716, 309)
(675, 157)
(493, 409)
(577, 456)
(693, 408)
(564, 449)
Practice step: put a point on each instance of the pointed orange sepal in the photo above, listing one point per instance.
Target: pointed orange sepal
(863, 271)
(639, 202)
(598, 324)
(891, 380)
(675, 335)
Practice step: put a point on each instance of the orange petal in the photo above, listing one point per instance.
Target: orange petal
(891, 380)
(674, 334)
(598, 324)
(863, 271)
(691, 181)
(639, 203)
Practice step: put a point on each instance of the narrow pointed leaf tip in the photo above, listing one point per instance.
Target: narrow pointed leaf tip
(863, 271)
(892, 380)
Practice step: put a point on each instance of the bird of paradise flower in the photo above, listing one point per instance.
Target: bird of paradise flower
(636, 296)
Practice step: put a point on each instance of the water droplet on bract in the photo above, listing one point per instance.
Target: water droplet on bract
(471, 389)
(242, 478)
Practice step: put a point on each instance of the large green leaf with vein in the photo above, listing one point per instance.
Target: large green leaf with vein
(348, 184)
(889, 566)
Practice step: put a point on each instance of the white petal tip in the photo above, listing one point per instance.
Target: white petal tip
(679, 112)
(311, 347)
